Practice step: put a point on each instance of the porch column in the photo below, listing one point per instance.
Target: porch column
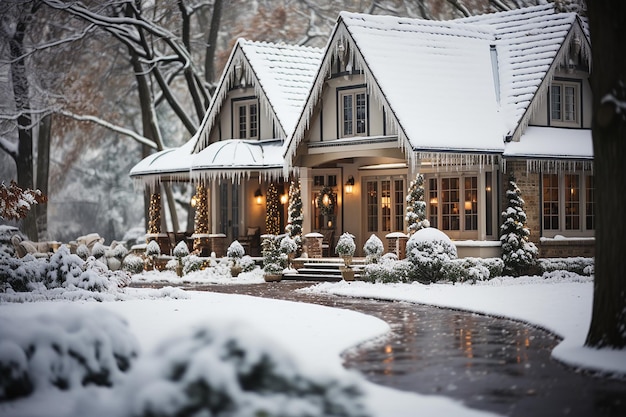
(305, 194)
(201, 222)
(154, 212)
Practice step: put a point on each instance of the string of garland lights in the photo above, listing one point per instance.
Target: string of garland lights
(201, 218)
(154, 223)
(272, 215)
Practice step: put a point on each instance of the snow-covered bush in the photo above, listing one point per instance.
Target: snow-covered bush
(473, 269)
(288, 245)
(518, 253)
(428, 250)
(578, 265)
(153, 249)
(83, 252)
(98, 250)
(235, 251)
(21, 274)
(63, 267)
(388, 269)
(181, 250)
(345, 245)
(192, 263)
(133, 264)
(295, 218)
(373, 249)
(120, 252)
(66, 348)
(230, 369)
(247, 263)
(274, 261)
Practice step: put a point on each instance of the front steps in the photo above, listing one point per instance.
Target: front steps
(322, 269)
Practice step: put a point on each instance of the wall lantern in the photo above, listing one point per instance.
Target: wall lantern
(350, 185)
(258, 196)
(194, 201)
(284, 198)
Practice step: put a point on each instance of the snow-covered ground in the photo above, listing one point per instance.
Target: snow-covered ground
(311, 336)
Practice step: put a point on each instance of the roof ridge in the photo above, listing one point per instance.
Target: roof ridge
(281, 44)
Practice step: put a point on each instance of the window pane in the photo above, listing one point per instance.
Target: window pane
(432, 202)
(254, 121)
(385, 203)
(470, 204)
(347, 115)
(372, 206)
(572, 202)
(450, 204)
(550, 201)
(488, 205)
(235, 211)
(223, 226)
(361, 113)
(569, 104)
(242, 122)
(555, 102)
(590, 219)
(399, 205)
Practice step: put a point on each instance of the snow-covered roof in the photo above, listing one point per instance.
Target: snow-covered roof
(281, 75)
(172, 162)
(531, 43)
(460, 86)
(237, 158)
(553, 143)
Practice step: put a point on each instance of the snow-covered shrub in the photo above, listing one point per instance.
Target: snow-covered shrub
(83, 252)
(274, 261)
(578, 265)
(133, 264)
(21, 274)
(98, 250)
(235, 251)
(295, 218)
(387, 269)
(120, 252)
(288, 245)
(63, 267)
(345, 245)
(192, 263)
(230, 369)
(247, 263)
(373, 249)
(518, 253)
(153, 249)
(66, 348)
(428, 250)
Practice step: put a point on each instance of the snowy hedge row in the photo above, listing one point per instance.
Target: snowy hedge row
(578, 265)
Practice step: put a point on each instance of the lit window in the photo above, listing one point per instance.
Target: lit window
(385, 205)
(568, 204)
(453, 203)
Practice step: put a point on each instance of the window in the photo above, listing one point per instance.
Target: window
(564, 106)
(453, 204)
(353, 106)
(385, 204)
(247, 117)
(568, 205)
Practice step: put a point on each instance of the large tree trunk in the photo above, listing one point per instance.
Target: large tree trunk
(607, 21)
(209, 59)
(43, 168)
(24, 159)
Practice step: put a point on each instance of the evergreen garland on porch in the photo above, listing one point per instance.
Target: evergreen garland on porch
(272, 215)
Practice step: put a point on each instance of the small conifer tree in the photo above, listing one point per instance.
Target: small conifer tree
(294, 225)
(272, 215)
(416, 207)
(518, 253)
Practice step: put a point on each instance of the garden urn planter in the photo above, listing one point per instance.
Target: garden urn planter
(272, 277)
(235, 270)
(347, 273)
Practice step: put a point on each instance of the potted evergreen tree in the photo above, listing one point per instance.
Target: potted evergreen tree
(235, 252)
(345, 248)
(274, 261)
(180, 251)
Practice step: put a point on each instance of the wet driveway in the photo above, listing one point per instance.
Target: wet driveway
(488, 363)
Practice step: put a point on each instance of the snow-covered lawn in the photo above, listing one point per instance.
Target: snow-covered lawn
(310, 337)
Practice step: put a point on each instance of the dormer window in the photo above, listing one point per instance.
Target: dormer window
(565, 104)
(247, 119)
(353, 112)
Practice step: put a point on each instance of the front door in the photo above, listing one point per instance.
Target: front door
(384, 201)
(229, 210)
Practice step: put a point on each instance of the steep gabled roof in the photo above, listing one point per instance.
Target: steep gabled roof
(460, 86)
(281, 75)
(531, 43)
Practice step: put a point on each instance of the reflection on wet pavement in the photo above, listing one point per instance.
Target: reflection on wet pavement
(488, 363)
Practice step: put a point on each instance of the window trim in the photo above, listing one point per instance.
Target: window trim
(236, 103)
(578, 111)
(353, 91)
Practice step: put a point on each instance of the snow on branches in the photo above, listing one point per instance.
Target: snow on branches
(416, 207)
(15, 202)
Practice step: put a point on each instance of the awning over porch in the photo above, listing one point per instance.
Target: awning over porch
(172, 164)
(237, 158)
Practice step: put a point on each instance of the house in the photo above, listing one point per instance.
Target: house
(466, 103)
(237, 152)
